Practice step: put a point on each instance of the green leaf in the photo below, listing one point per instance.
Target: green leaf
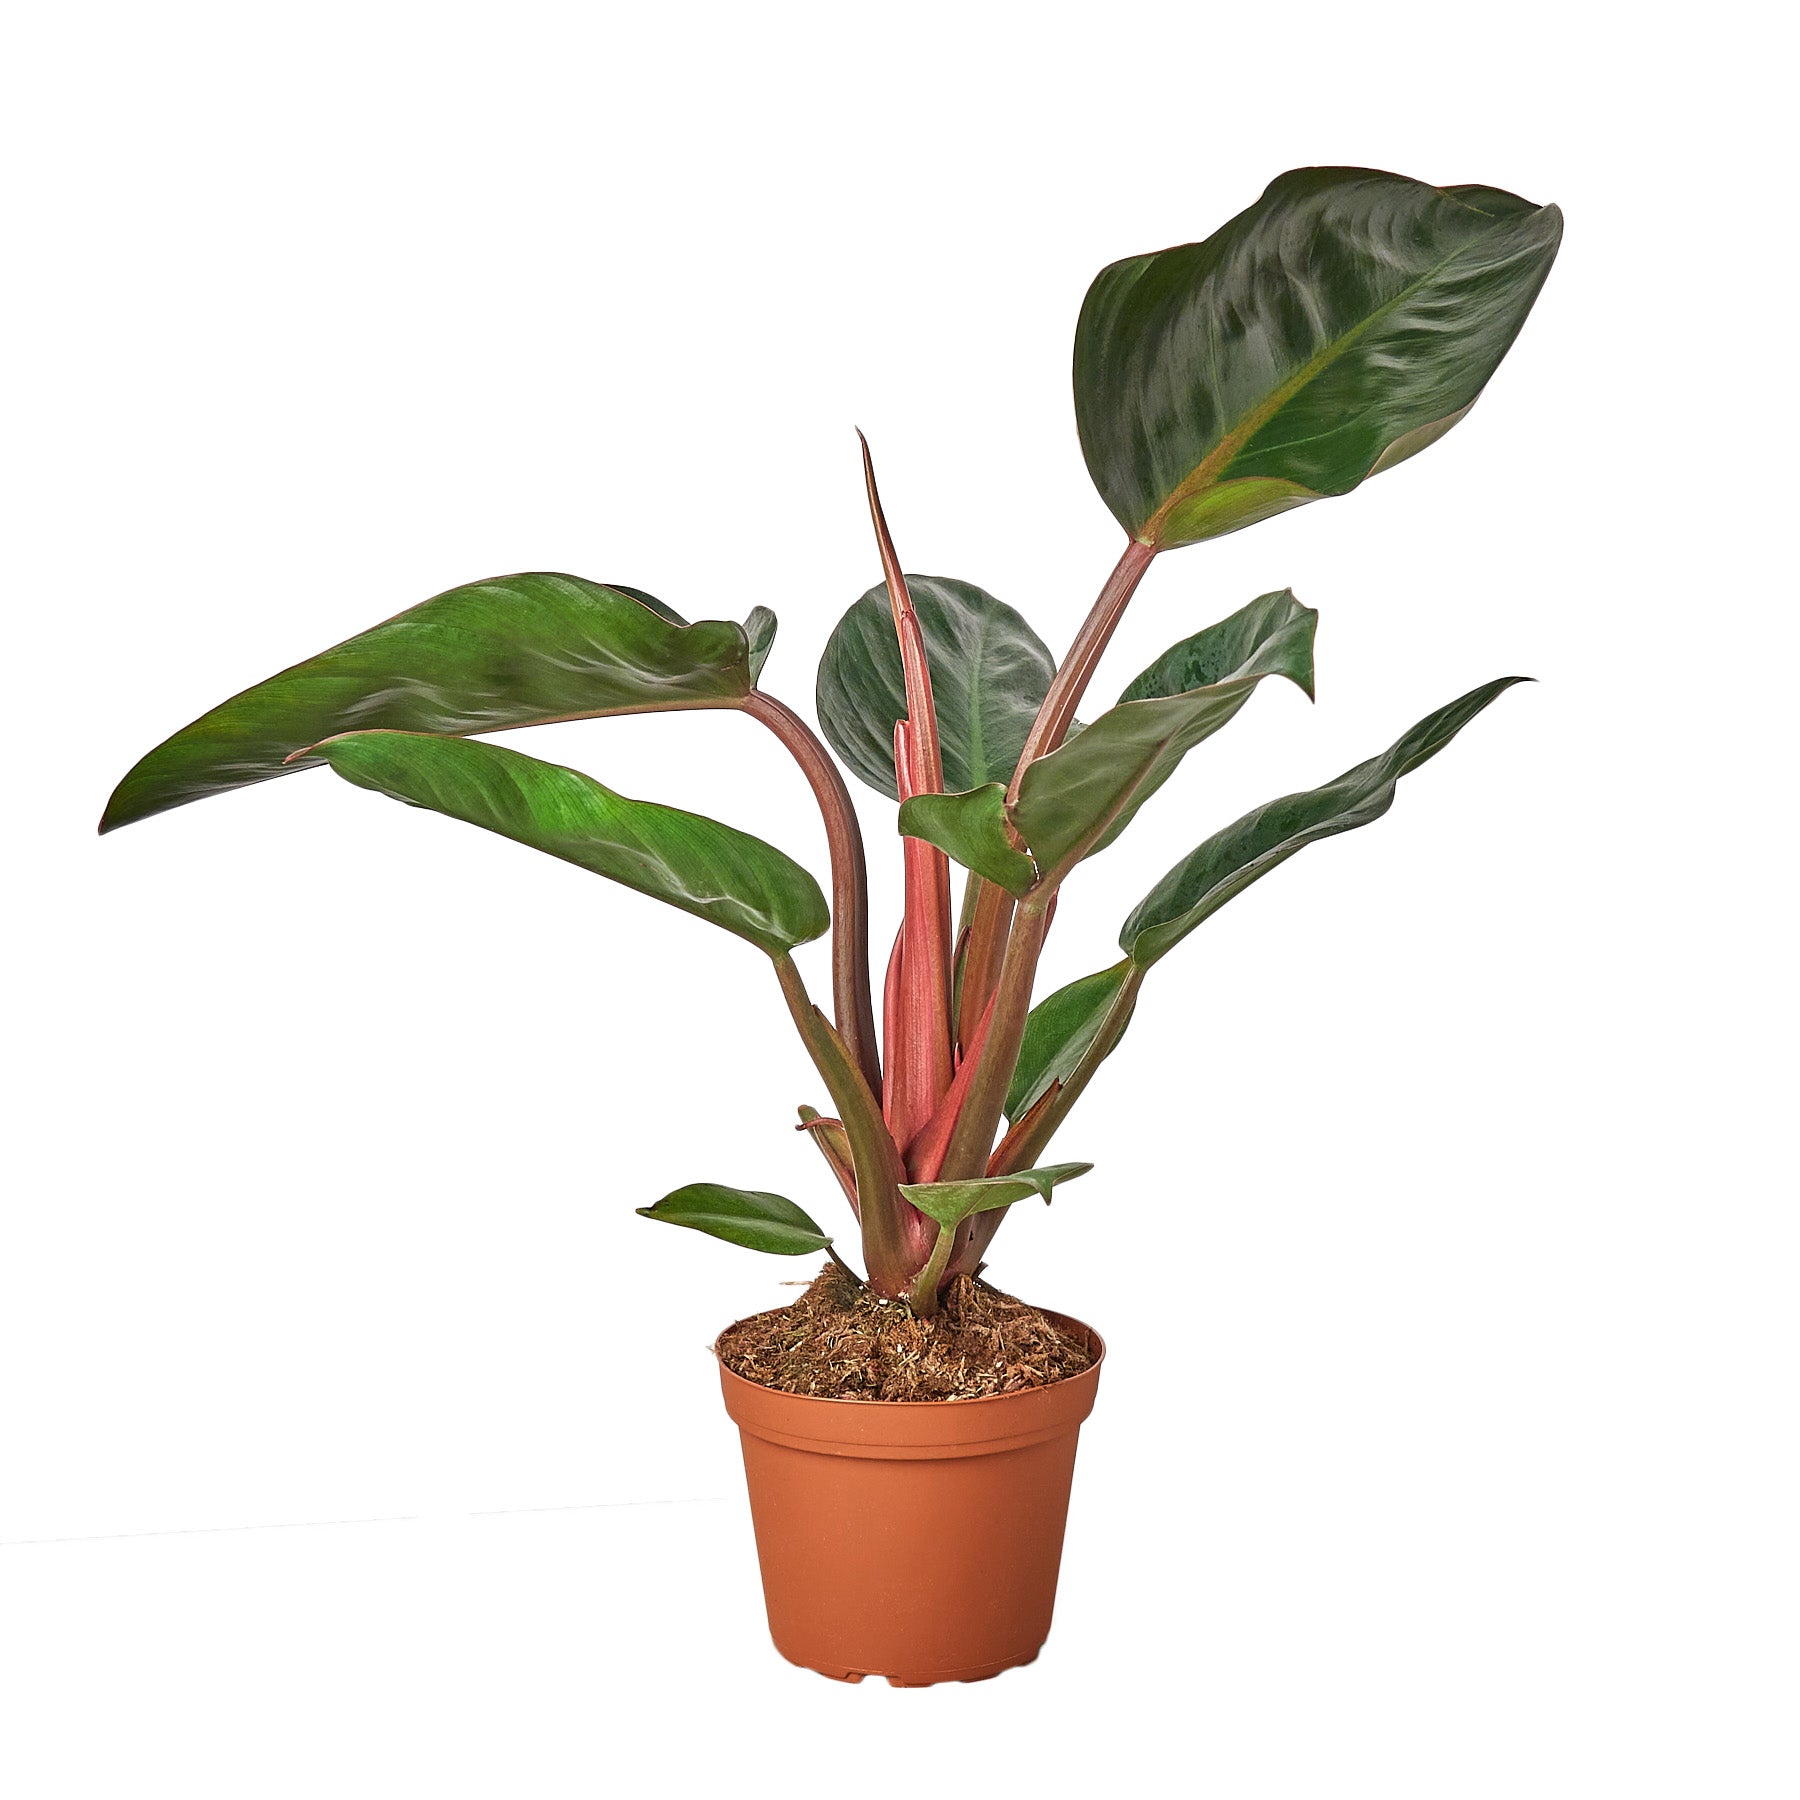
(989, 672)
(759, 638)
(740, 1216)
(519, 650)
(972, 828)
(1058, 1032)
(1079, 798)
(1341, 324)
(950, 1202)
(1230, 860)
(705, 868)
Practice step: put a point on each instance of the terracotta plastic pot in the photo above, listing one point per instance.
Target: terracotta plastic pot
(919, 1540)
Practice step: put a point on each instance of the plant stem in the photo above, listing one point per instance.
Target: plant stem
(988, 918)
(923, 1298)
(1070, 682)
(892, 1229)
(851, 1001)
(992, 923)
(967, 1156)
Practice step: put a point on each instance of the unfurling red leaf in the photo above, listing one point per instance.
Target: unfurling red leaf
(743, 1216)
(517, 650)
(705, 868)
(1336, 327)
(950, 1202)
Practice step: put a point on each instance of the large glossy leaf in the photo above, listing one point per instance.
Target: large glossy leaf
(1059, 1030)
(744, 1216)
(1230, 860)
(518, 650)
(950, 1202)
(1331, 330)
(705, 868)
(1080, 797)
(989, 672)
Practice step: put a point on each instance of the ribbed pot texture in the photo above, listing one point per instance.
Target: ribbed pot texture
(919, 1540)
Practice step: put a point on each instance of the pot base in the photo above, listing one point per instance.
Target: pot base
(912, 1679)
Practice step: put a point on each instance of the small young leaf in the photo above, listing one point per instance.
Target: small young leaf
(759, 638)
(972, 828)
(950, 1202)
(989, 671)
(705, 868)
(1059, 1030)
(740, 1216)
(1342, 323)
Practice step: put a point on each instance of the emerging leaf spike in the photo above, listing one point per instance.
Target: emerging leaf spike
(927, 765)
(918, 1051)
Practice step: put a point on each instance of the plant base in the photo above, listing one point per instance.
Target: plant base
(916, 1540)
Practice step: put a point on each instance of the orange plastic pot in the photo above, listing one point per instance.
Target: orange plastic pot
(919, 1540)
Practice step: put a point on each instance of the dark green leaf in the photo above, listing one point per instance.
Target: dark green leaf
(972, 828)
(705, 868)
(1228, 862)
(1059, 1030)
(740, 1216)
(1222, 650)
(989, 672)
(1079, 798)
(1333, 329)
(950, 1202)
(519, 650)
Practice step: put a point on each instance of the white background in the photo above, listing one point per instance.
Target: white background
(357, 1438)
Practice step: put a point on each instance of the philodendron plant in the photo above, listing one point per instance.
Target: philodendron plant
(1341, 324)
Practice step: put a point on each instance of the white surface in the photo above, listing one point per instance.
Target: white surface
(1443, 1227)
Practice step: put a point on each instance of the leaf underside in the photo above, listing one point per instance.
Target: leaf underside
(949, 1202)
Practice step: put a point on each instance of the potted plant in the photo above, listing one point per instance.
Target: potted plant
(912, 1415)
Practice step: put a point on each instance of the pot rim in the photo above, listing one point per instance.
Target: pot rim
(1075, 1328)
